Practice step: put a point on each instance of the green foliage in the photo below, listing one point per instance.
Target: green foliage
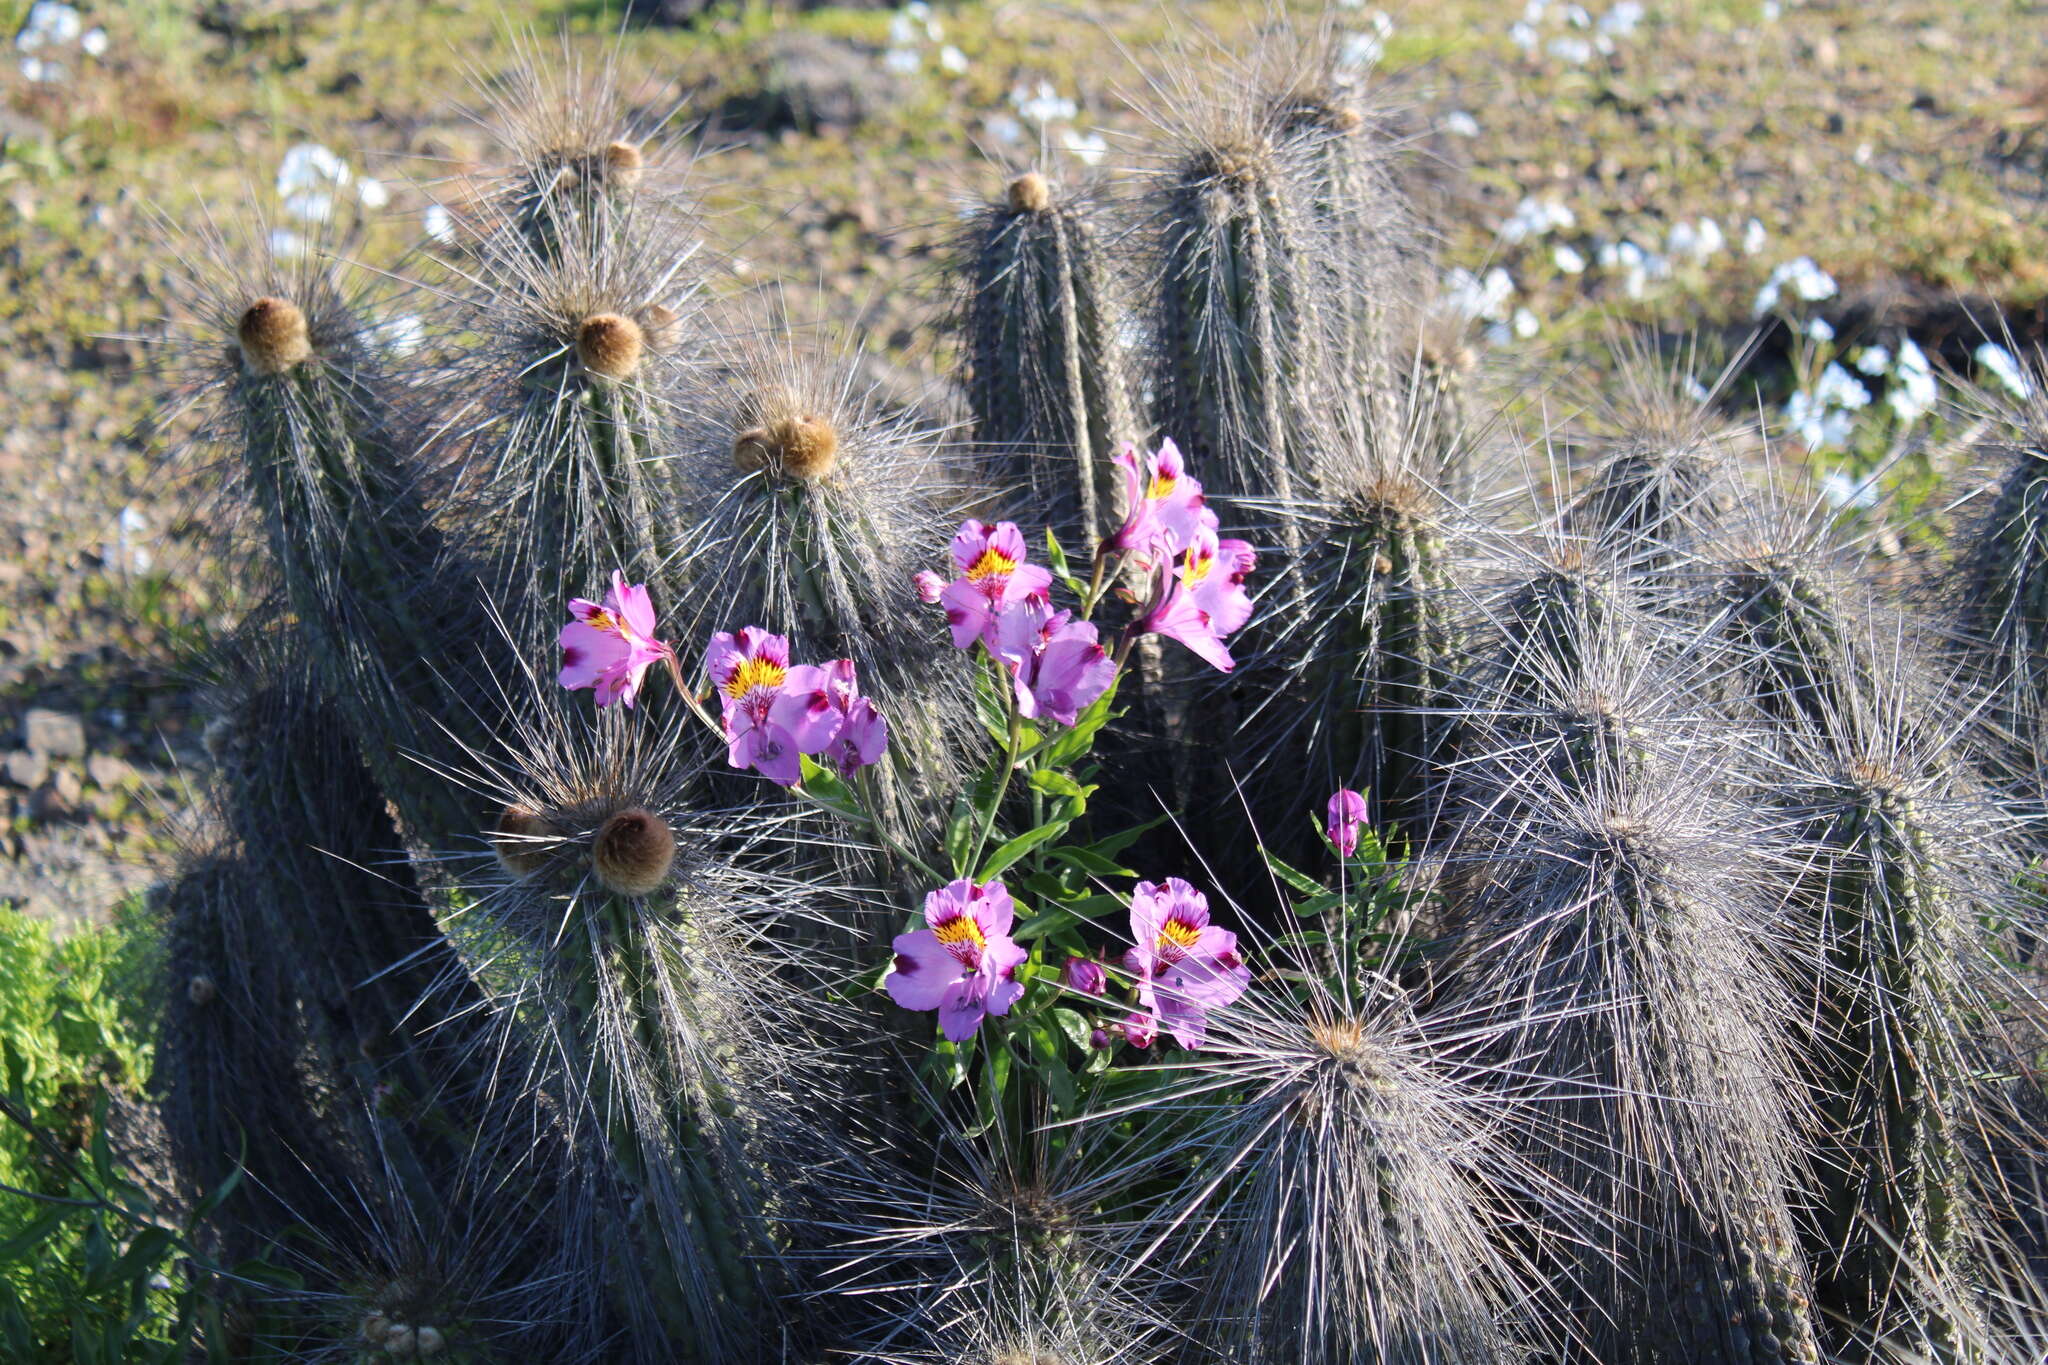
(72, 1028)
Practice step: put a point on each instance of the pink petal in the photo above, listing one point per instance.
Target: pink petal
(962, 1007)
(923, 971)
(994, 912)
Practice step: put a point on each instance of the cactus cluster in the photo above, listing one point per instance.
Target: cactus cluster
(1677, 1011)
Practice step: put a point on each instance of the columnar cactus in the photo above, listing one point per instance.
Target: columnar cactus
(1242, 328)
(1642, 976)
(310, 416)
(573, 420)
(1346, 1209)
(808, 508)
(1047, 351)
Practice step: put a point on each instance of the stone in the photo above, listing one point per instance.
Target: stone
(107, 772)
(25, 769)
(806, 81)
(53, 734)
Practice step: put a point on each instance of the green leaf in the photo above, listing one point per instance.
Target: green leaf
(1069, 913)
(1116, 843)
(213, 1198)
(1056, 556)
(1088, 861)
(1016, 848)
(14, 1328)
(143, 1254)
(1076, 1026)
(1300, 881)
(15, 1250)
(960, 834)
(1055, 783)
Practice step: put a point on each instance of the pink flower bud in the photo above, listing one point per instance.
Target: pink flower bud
(1084, 975)
(929, 585)
(1346, 814)
(1100, 1040)
(1140, 1028)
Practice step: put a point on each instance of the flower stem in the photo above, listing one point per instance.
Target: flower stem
(1011, 752)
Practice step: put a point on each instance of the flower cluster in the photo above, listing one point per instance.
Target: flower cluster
(774, 712)
(1198, 595)
(964, 963)
(1003, 602)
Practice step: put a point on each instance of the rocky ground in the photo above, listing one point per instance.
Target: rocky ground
(1902, 145)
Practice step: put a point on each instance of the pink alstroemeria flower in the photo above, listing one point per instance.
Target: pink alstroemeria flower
(1345, 814)
(995, 578)
(838, 724)
(767, 720)
(1207, 601)
(609, 646)
(1185, 965)
(1057, 664)
(964, 963)
(1166, 503)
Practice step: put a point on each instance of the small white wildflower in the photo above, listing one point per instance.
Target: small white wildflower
(1805, 279)
(1571, 51)
(1603, 44)
(903, 29)
(2004, 368)
(401, 335)
(309, 207)
(1607, 255)
(38, 70)
(1838, 388)
(48, 24)
(1361, 49)
(440, 226)
(1534, 10)
(1753, 237)
(1534, 217)
(1816, 424)
(1820, 329)
(1621, 20)
(1473, 296)
(1691, 387)
(1042, 104)
(93, 42)
(1915, 391)
(286, 244)
(1874, 360)
(1567, 259)
(1524, 37)
(1772, 11)
(1089, 147)
(1458, 123)
(308, 166)
(1525, 324)
(901, 60)
(1701, 240)
(373, 194)
(952, 59)
(1497, 334)
(1841, 491)
(1576, 16)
